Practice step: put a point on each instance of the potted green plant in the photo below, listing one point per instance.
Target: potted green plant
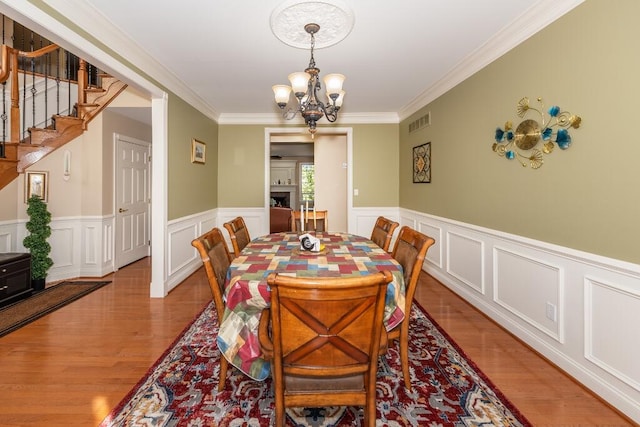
(36, 241)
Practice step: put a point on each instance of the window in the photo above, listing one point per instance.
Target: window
(307, 182)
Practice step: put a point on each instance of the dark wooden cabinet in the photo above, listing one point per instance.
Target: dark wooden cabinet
(15, 277)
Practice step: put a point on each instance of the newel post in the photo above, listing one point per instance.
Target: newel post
(82, 82)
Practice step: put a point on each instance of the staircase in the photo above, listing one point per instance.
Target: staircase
(17, 154)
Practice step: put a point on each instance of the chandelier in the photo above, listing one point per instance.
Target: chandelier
(306, 87)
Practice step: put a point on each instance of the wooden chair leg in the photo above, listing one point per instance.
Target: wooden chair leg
(223, 373)
(279, 413)
(404, 353)
(370, 415)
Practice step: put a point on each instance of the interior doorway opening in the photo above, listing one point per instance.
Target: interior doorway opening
(342, 180)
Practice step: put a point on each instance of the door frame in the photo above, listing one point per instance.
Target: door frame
(347, 131)
(116, 190)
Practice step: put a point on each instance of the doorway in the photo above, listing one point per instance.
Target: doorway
(334, 191)
(132, 200)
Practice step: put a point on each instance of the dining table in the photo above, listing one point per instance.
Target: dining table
(247, 293)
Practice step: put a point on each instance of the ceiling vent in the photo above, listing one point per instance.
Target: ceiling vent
(421, 122)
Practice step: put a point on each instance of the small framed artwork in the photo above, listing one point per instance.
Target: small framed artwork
(422, 163)
(198, 151)
(36, 184)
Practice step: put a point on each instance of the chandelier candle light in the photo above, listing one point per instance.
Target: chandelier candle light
(306, 87)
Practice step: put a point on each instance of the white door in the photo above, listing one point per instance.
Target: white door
(132, 200)
(330, 163)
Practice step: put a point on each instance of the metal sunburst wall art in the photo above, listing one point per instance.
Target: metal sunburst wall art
(531, 140)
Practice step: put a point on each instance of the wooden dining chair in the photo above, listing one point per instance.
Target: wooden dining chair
(238, 233)
(409, 250)
(324, 341)
(383, 232)
(321, 222)
(216, 259)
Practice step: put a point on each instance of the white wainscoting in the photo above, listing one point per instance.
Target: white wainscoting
(80, 246)
(256, 220)
(183, 259)
(363, 220)
(8, 237)
(595, 300)
(523, 284)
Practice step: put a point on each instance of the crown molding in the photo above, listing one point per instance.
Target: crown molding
(277, 119)
(537, 17)
(122, 55)
(128, 52)
(45, 24)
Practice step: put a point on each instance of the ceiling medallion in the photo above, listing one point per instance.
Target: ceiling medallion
(522, 143)
(289, 19)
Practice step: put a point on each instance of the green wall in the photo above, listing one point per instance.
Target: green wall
(586, 197)
(241, 166)
(375, 165)
(192, 187)
(242, 160)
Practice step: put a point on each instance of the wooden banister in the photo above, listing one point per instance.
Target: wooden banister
(40, 52)
(26, 143)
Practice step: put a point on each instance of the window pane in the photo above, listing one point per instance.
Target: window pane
(307, 182)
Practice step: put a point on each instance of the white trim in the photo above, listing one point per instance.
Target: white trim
(159, 196)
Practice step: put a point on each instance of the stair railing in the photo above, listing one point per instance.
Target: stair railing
(33, 99)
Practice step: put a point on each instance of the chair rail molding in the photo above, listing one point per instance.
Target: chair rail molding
(575, 300)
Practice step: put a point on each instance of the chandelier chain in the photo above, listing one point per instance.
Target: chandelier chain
(312, 61)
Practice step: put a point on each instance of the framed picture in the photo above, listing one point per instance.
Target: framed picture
(36, 184)
(198, 151)
(422, 163)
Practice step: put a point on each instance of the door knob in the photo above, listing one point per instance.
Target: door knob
(122, 210)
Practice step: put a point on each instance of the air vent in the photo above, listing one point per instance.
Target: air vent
(420, 122)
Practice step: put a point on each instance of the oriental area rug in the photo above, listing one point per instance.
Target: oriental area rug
(16, 315)
(448, 389)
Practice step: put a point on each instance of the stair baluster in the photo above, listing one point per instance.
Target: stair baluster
(23, 143)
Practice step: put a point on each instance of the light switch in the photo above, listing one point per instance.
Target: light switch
(355, 192)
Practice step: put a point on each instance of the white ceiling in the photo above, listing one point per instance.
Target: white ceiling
(223, 55)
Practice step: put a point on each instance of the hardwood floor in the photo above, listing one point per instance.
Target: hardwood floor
(542, 393)
(71, 367)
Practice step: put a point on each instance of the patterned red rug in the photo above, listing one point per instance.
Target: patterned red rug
(448, 389)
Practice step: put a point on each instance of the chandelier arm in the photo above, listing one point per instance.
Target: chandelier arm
(290, 113)
(309, 105)
(330, 112)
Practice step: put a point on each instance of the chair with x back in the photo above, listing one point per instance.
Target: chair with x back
(410, 251)
(238, 233)
(216, 259)
(320, 223)
(383, 232)
(326, 335)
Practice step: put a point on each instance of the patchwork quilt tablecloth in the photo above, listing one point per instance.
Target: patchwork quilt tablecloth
(247, 292)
